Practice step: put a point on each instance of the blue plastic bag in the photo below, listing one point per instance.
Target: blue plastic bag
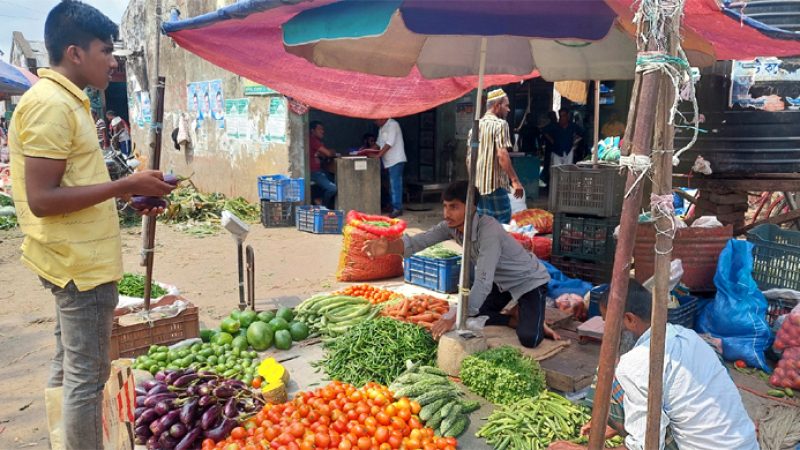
(560, 284)
(738, 313)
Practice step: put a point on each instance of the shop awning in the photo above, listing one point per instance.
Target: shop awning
(246, 38)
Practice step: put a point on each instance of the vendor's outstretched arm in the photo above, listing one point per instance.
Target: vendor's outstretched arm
(408, 245)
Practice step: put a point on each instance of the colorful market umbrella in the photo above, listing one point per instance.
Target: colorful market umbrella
(562, 39)
(15, 80)
(246, 38)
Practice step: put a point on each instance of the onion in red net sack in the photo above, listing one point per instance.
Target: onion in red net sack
(540, 219)
(787, 373)
(789, 334)
(354, 264)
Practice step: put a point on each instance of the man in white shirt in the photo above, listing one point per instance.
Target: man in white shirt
(702, 408)
(393, 153)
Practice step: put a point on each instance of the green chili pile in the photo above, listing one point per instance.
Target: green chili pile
(376, 350)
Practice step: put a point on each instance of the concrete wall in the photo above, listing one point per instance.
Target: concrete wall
(218, 162)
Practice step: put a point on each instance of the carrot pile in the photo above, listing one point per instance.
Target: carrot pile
(423, 310)
(373, 294)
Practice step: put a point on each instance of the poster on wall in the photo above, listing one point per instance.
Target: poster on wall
(253, 88)
(465, 114)
(194, 95)
(768, 84)
(145, 114)
(276, 122)
(217, 102)
(236, 118)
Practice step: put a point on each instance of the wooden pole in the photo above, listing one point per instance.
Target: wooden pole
(596, 148)
(156, 85)
(641, 144)
(464, 279)
(149, 223)
(662, 185)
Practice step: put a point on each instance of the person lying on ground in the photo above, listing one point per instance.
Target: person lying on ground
(702, 408)
(504, 271)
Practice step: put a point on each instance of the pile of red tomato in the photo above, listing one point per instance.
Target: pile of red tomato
(337, 416)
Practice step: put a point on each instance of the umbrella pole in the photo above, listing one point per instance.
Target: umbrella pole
(466, 263)
(596, 147)
(154, 158)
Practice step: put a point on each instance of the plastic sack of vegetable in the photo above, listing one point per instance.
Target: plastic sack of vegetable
(787, 341)
(354, 264)
(737, 315)
(541, 220)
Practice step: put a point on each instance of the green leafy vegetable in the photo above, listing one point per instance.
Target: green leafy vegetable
(438, 251)
(133, 286)
(502, 375)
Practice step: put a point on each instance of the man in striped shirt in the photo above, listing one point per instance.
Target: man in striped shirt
(495, 174)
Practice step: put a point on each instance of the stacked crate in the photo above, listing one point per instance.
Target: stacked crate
(280, 195)
(586, 202)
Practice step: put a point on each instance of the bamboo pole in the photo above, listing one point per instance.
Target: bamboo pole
(596, 121)
(641, 145)
(156, 86)
(464, 278)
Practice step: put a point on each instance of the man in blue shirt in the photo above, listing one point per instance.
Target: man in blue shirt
(563, 136)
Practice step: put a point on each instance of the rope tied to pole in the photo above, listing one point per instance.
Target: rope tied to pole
(656, 14)
(662, 207)
(639, 165)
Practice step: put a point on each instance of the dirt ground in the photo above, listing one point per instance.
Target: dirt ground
(288, 263)
(290, 266)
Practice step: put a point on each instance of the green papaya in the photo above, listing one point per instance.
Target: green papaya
(283, 340)
(285, 313)
(230, 325)
(298, 330)
(266, 316)
(279, 323)
(247, 317)
(259, 336)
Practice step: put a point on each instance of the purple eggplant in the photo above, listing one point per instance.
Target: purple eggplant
(159, 388)
(172, 179)
(148, 384)
(172, 376)
(230, 410)
(141, 202)
(236, 384)
(188, 411)
(203, 391)
(140, 390)
(152, 443)
(206, 400)
(159, 376)
(184, 380)
(147, 417)
(163, 424)
(166, 441)
(142, 433)
(140, 400)
(191, 437)
(139, 410)
(152, 400)
(210, 417)
(224, 392)
(177, 430)
(163, 407)
(222, 430)
(249, 405)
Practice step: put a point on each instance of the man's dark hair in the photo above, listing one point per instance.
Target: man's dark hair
(314, 124)
(111, 113)
(75, 23)
(639, 301)
(458, 191)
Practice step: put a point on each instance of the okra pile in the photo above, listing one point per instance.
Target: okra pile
(534, 423)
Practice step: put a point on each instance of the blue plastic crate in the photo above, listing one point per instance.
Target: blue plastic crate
(280, 188)
(319, 219)
(440, 275)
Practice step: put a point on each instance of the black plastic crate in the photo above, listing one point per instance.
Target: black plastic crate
(591, 271)
(684, 315)
(776, 257)
(586, 238)
(277, 214)
(587, 190)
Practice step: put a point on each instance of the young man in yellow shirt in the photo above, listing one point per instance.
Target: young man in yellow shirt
(65, 203)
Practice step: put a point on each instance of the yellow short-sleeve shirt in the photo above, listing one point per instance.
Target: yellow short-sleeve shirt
(53, 120)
